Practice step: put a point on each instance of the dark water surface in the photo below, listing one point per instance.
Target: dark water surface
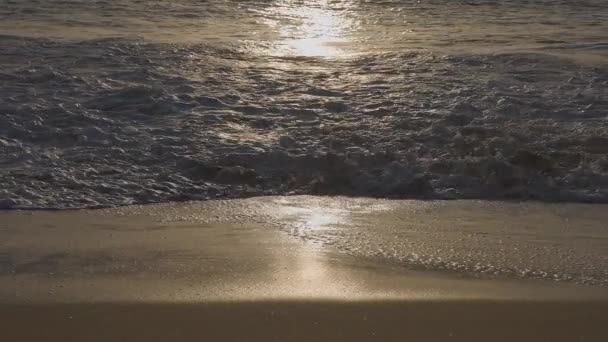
(115, 102)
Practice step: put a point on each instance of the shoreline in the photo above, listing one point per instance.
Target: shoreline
(282, 247)
(256, 270)
(187, 201)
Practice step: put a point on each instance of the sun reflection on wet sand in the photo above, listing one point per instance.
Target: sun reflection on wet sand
(305, 220)
(312, 28)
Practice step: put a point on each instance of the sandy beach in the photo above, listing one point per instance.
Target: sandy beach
(232, 270)
(309, 320)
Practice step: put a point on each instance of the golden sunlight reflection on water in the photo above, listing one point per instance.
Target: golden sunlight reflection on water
(310, 28)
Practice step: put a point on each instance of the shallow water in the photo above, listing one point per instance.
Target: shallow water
(222, 242)
(116, 102)
(557, 242)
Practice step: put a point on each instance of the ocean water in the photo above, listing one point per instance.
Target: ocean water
(115, 102)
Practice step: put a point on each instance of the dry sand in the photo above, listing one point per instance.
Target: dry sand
(219, 271)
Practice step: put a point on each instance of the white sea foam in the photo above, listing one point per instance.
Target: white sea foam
(557, 242)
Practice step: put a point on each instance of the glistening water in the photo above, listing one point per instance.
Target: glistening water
(114, 102)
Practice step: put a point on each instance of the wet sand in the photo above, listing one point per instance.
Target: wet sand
(223, 271)
(309, 321)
